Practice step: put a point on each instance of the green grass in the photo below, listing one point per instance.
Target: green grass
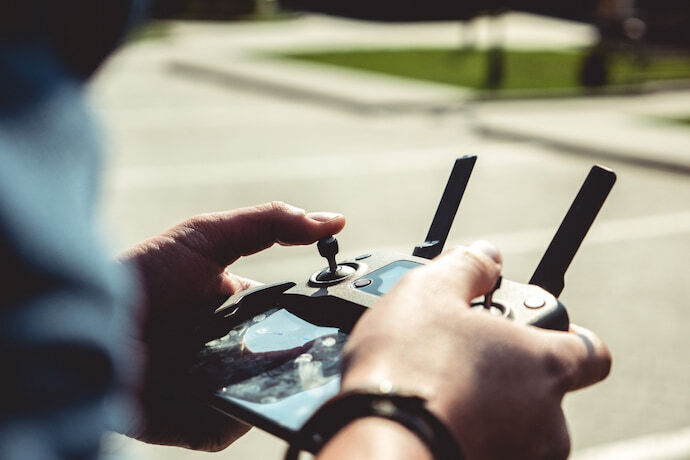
(156, 30)
(525, 70)
(682, 120)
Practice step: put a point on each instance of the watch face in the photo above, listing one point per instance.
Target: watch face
(275, 364)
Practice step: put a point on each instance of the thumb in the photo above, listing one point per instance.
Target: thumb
(468, 271)
(583, 358)
(227, 236)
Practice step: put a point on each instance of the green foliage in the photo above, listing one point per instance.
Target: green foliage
(524, 70)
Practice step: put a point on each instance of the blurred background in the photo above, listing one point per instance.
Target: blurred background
(238, 103)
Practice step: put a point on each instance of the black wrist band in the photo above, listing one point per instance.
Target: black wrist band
(409, 411)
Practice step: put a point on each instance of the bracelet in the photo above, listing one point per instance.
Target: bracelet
(407, 410)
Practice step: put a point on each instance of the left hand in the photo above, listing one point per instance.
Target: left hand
(184, 278)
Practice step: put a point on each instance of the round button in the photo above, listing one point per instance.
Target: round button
(363, 256)
(534, 301)
(363, 282)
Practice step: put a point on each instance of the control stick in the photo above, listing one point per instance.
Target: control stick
(328, 248)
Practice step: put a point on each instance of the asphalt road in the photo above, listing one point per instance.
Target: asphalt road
(178, 147)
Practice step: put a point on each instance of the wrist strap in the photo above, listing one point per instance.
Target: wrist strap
(409, 411)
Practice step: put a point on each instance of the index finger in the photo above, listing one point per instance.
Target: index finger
(584, 357)
(229, 235)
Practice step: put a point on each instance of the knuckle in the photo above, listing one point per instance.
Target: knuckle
(281, 207)
(560, 372)
(277, 206)
(193, 226)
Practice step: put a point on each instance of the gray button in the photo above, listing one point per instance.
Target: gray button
(363, 256)
(534, 301)
(363, 282)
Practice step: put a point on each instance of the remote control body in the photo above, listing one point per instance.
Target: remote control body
(341, 302)
(273, 352)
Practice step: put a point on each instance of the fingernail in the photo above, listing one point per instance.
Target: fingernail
(323, 217)
(489, 249)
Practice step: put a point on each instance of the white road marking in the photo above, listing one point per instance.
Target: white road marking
(237, 172)
(603, 232)
(673, 445)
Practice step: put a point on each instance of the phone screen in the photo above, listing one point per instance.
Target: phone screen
(278, 365)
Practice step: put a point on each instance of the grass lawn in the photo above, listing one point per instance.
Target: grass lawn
(152, 31)
(683, 120)
(524, 70)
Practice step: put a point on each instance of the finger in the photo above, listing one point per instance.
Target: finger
(232, 284)
(470, 271)
(584, 358)
(229, 235)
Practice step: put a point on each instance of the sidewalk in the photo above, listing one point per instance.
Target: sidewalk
(628, 128)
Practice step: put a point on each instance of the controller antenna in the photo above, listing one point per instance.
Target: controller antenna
(328, 248)
(447, 208)
(550, 273)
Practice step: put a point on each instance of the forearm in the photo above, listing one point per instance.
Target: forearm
(374, 438)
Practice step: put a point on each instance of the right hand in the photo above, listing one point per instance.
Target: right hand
(496, 384)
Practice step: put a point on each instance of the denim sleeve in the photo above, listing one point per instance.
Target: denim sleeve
(66, 324)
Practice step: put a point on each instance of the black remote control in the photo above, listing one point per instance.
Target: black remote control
(281, 358)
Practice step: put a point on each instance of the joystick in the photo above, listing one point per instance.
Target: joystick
(488, 297)
(312, 318)
(328, 248)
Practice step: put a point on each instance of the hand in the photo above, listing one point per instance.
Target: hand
(497, 385)
(184, 278)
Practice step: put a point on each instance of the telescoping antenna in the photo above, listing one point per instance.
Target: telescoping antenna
(550, 274)
(447, 208)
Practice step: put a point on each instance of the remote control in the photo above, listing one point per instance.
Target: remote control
(280, 359)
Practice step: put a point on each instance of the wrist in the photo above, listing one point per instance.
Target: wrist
(380, 377)
(408, 411)
(375, 437)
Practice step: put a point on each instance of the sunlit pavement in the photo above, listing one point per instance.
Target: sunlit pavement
(181, 144)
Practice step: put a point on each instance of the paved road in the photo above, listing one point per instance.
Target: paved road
(180, 146)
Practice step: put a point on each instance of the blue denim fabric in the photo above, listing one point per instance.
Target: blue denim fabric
(65, 319)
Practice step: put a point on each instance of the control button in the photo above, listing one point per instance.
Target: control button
(363, 256)
(534, 301)
(495, 311)
(362, 282)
